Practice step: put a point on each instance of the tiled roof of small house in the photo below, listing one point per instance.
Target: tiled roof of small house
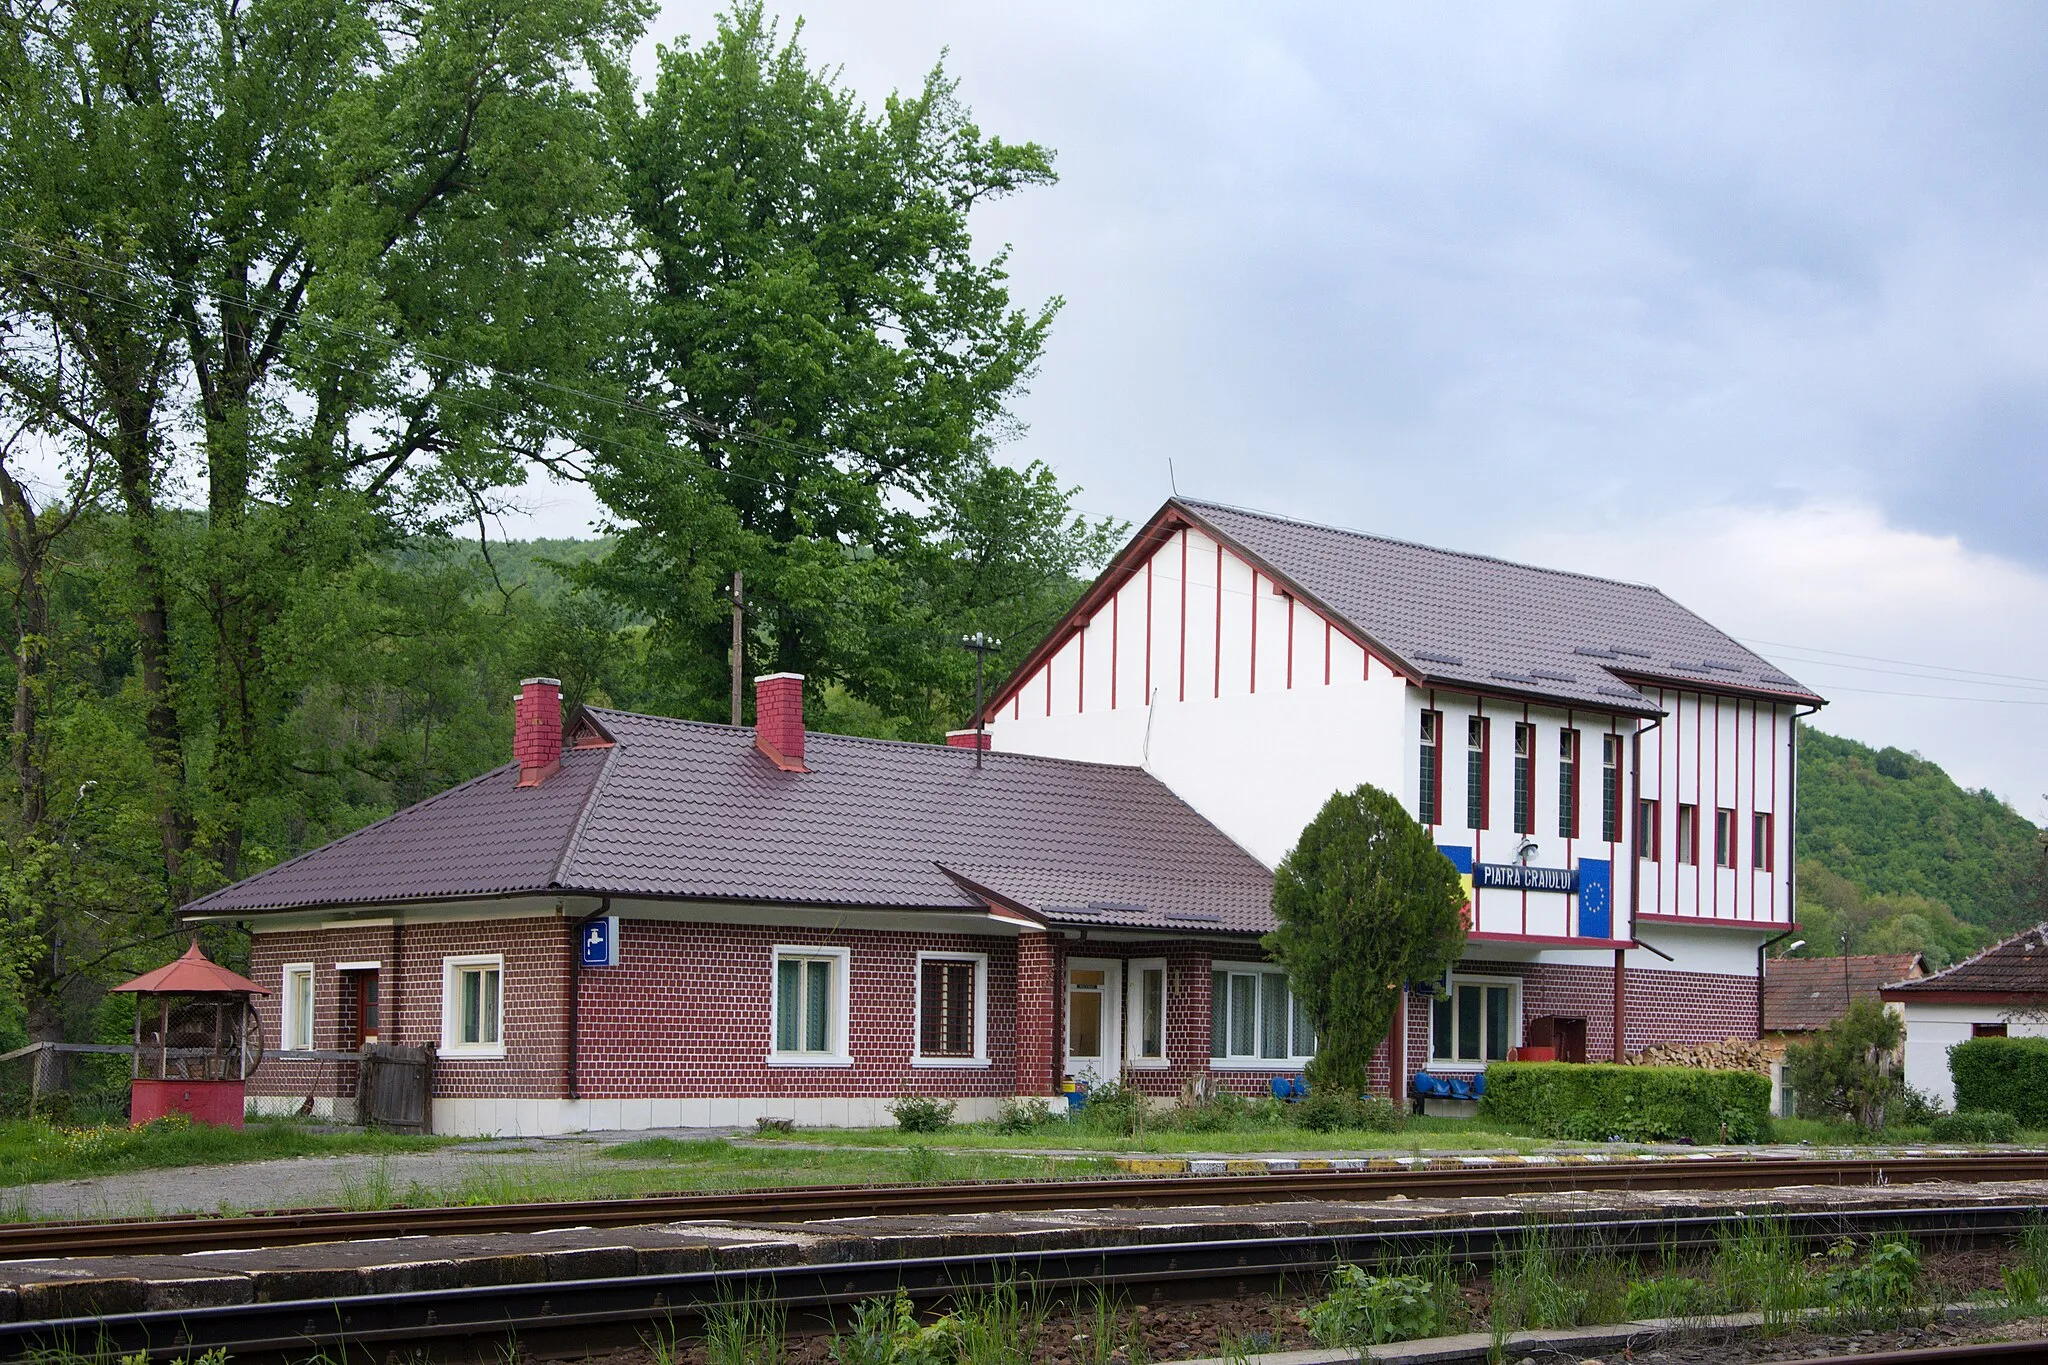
(1454, 619)
(683, 810)
(1802, 994)
(2018, 966)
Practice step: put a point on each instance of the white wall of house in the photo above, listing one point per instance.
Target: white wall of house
(1932, 1029)
(1254, 708)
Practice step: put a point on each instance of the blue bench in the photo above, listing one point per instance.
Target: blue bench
(1427, 1085)
(1289, 1088)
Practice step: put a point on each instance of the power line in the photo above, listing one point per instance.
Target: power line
(1879, 659)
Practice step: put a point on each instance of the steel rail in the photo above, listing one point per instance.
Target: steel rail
(2004, 1352)
(578, 1312)
(20, 1241)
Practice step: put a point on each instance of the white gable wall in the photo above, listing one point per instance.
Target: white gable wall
(1244, 701)
(1254, 709)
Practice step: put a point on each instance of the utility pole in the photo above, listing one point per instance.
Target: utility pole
(739, 649)
(1845, 969)
(982, 647)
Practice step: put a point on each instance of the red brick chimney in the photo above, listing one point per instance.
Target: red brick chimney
(779, 719)
(964, 739)
(537, 729)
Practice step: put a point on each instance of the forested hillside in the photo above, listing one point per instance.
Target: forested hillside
(1901, 858)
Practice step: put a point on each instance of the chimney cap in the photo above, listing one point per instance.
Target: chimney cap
(544, 682)
(774, 677)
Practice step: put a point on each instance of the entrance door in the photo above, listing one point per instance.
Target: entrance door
(365, 988)
(1094, 1022)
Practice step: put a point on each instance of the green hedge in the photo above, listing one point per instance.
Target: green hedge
(1974, 1125)
(2008, 1074)
(1637, 1103)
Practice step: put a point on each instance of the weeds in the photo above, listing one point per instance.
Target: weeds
(1758, 1268)
(742, 1329)
(1882, 1286)
(372, 1191)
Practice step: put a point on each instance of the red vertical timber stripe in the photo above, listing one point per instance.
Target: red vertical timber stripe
(1184, 613)
(1081, 670)
(1148, 627)
(1326, 653)
(1290, 642)
(1115, 598)
(1216, 683)
(1255, 632)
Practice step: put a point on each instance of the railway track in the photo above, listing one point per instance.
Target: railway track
(582, 1316)
(20, 1241)
(2001, 1352)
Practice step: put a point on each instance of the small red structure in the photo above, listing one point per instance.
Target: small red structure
(206, 1040)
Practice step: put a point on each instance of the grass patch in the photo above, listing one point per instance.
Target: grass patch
(683, 1166)
(33, 1151)
(1420, 1134)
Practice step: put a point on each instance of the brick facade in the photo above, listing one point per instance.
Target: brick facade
(686, 1020)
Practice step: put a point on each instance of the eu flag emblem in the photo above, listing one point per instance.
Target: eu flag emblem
(1596, 898)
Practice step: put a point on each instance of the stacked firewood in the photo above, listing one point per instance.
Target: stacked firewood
(1732, 1054)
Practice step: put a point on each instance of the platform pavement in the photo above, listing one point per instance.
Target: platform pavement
(59, 1287)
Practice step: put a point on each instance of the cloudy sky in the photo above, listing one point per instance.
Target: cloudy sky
(1750, 302)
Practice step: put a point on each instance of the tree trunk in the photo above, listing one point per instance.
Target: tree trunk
(46, 1025)
(152, 616)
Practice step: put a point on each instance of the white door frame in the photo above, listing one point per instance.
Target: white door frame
(1110, 1065)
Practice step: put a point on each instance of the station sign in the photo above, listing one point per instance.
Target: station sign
(1516, 877)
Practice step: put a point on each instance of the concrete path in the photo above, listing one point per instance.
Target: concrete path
(318, 1181)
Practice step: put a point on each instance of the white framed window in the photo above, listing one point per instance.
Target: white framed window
(1146, 980)
(473, 1005)
(1478, 1021)
(1255, 1021)
(809, 1001)
(295, 1030)
(952, 1009)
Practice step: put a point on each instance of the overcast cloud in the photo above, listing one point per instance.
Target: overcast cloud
(1746, 301)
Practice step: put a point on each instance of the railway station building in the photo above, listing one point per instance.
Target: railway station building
(648, 922)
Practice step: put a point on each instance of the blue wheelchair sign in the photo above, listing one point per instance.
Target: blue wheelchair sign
(601, 942)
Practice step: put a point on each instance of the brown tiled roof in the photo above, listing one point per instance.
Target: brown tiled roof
(1451, 618)
(1806, 993)
(2018, 966)
(683, 810)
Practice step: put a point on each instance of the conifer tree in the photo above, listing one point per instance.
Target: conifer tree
(1366, 905)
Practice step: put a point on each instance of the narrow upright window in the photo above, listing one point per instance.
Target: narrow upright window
(1476, 771)
(297, 1031)
(1525, 779)
(1724, 837)
(473, 1005)
(1762, 848)
(1429, 799)
(1151, 1040)
(1688, 834)
(1649, 831)
(1567, 784)
(1610, 787)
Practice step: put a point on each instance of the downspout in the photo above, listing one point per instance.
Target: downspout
(1791, 864)
(604, 906)
(1760, 950)
(1635, 884)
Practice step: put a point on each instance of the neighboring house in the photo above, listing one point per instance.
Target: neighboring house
(650, 922)
(1803, 995)
(2002, 991)
(1614, 774)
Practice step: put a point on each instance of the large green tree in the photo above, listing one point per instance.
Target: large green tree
(326, 270)
(833, 366)
(1367, 905)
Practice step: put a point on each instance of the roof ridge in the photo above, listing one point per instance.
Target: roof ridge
(2006, 942)
(582, 820)
(1432, 549)
(923, 746)
(420, 804)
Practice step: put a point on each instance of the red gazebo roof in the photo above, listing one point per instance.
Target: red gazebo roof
(192, 974)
